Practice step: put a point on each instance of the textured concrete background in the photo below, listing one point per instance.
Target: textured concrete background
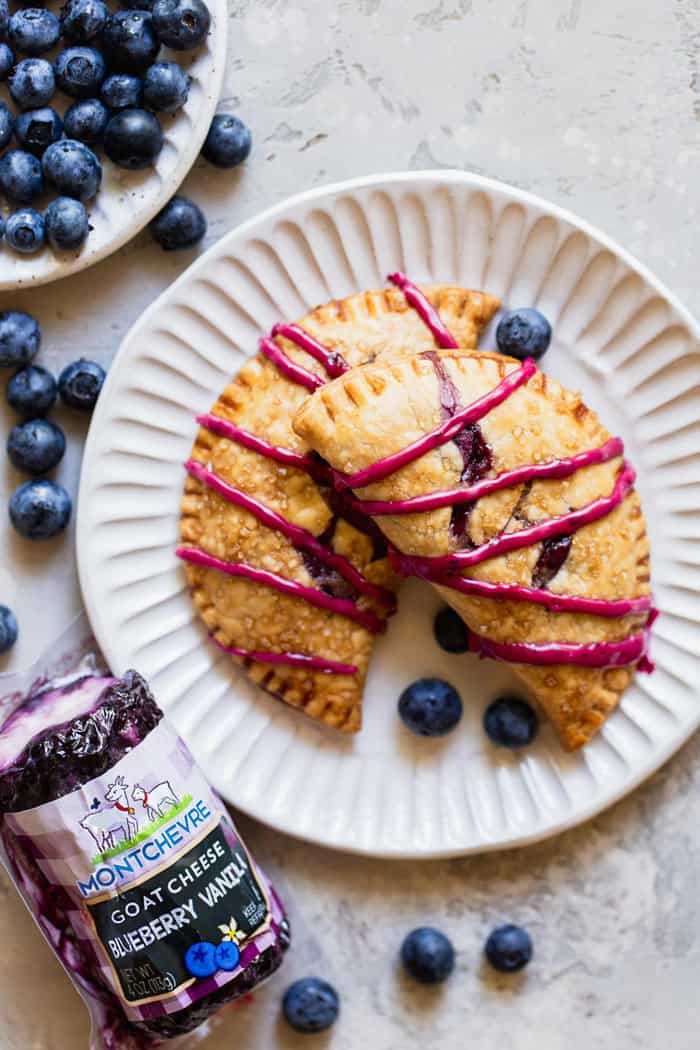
(594, 104)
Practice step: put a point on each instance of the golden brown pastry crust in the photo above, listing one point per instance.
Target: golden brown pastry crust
(380, 408)
(261, 400)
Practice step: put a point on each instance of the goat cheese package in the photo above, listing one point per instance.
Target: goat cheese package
(129, 862)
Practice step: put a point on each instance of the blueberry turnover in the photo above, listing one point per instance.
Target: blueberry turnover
(290, 580)
(504, 490)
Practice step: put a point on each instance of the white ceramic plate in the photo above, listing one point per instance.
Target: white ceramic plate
(129, 199)
(619, 337)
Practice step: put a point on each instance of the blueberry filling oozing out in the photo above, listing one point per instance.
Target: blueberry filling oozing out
(554, 553)
(476, 454)
(341, 505)
(478, 459)
(459, 523)
(327, 579)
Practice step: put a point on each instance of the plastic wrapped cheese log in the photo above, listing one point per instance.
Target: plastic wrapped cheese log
(130, 863)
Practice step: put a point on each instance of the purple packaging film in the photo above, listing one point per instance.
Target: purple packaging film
(136, 877)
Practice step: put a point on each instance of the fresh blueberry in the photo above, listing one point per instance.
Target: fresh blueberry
(32, 83)
(20, 176)
(86, 120)
(79, 384)
(7, 61)
(32, 391)
(523, 333)
(20, 338)
(80, 71)
(311, 1005)
(4, 18)
(428, 955)
(228, 141)
(510, 722)
(7, 125)
(36, 446)
(67, 224)
(200, 960)
(133, 139)
(35, 129)
(181, 24)
(73, 169)
(181, 224)
(40, 509)
(8, 629)
(509, 948)
(122, 91)
(451, 632)
(227, 956)
(33, 30)
(25, 232)
(82, 20)
(129, 42)
(430, 707)
(165, 87)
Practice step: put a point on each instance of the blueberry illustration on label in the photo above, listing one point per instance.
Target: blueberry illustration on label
(200, 959)
(227, 955)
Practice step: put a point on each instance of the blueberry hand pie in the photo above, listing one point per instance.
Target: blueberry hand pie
(504, 490)
(288, 577)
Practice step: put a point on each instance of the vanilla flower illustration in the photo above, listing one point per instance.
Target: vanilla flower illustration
(230, 931)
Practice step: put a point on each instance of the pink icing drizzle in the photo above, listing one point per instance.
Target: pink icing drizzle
(341, 606)
(553, 602)
(290, 369)
(312, 663)
(446, 431)
(285, 456)
(299, 536)
(509, 541)
(554, 469)
(548, 654)
(333, 362)
(425, 309)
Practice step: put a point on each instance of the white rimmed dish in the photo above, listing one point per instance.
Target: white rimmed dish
(620, 338)
(128, 200)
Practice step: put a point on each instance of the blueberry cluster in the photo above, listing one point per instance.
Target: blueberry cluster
(432, 707)
(117, 87)
(41, 508)
(427, 956)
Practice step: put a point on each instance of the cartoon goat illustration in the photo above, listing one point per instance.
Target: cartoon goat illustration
(118, 819)
(157, 801)
(103, 825)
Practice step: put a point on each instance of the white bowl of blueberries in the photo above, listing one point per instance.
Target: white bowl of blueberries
(105, 112)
